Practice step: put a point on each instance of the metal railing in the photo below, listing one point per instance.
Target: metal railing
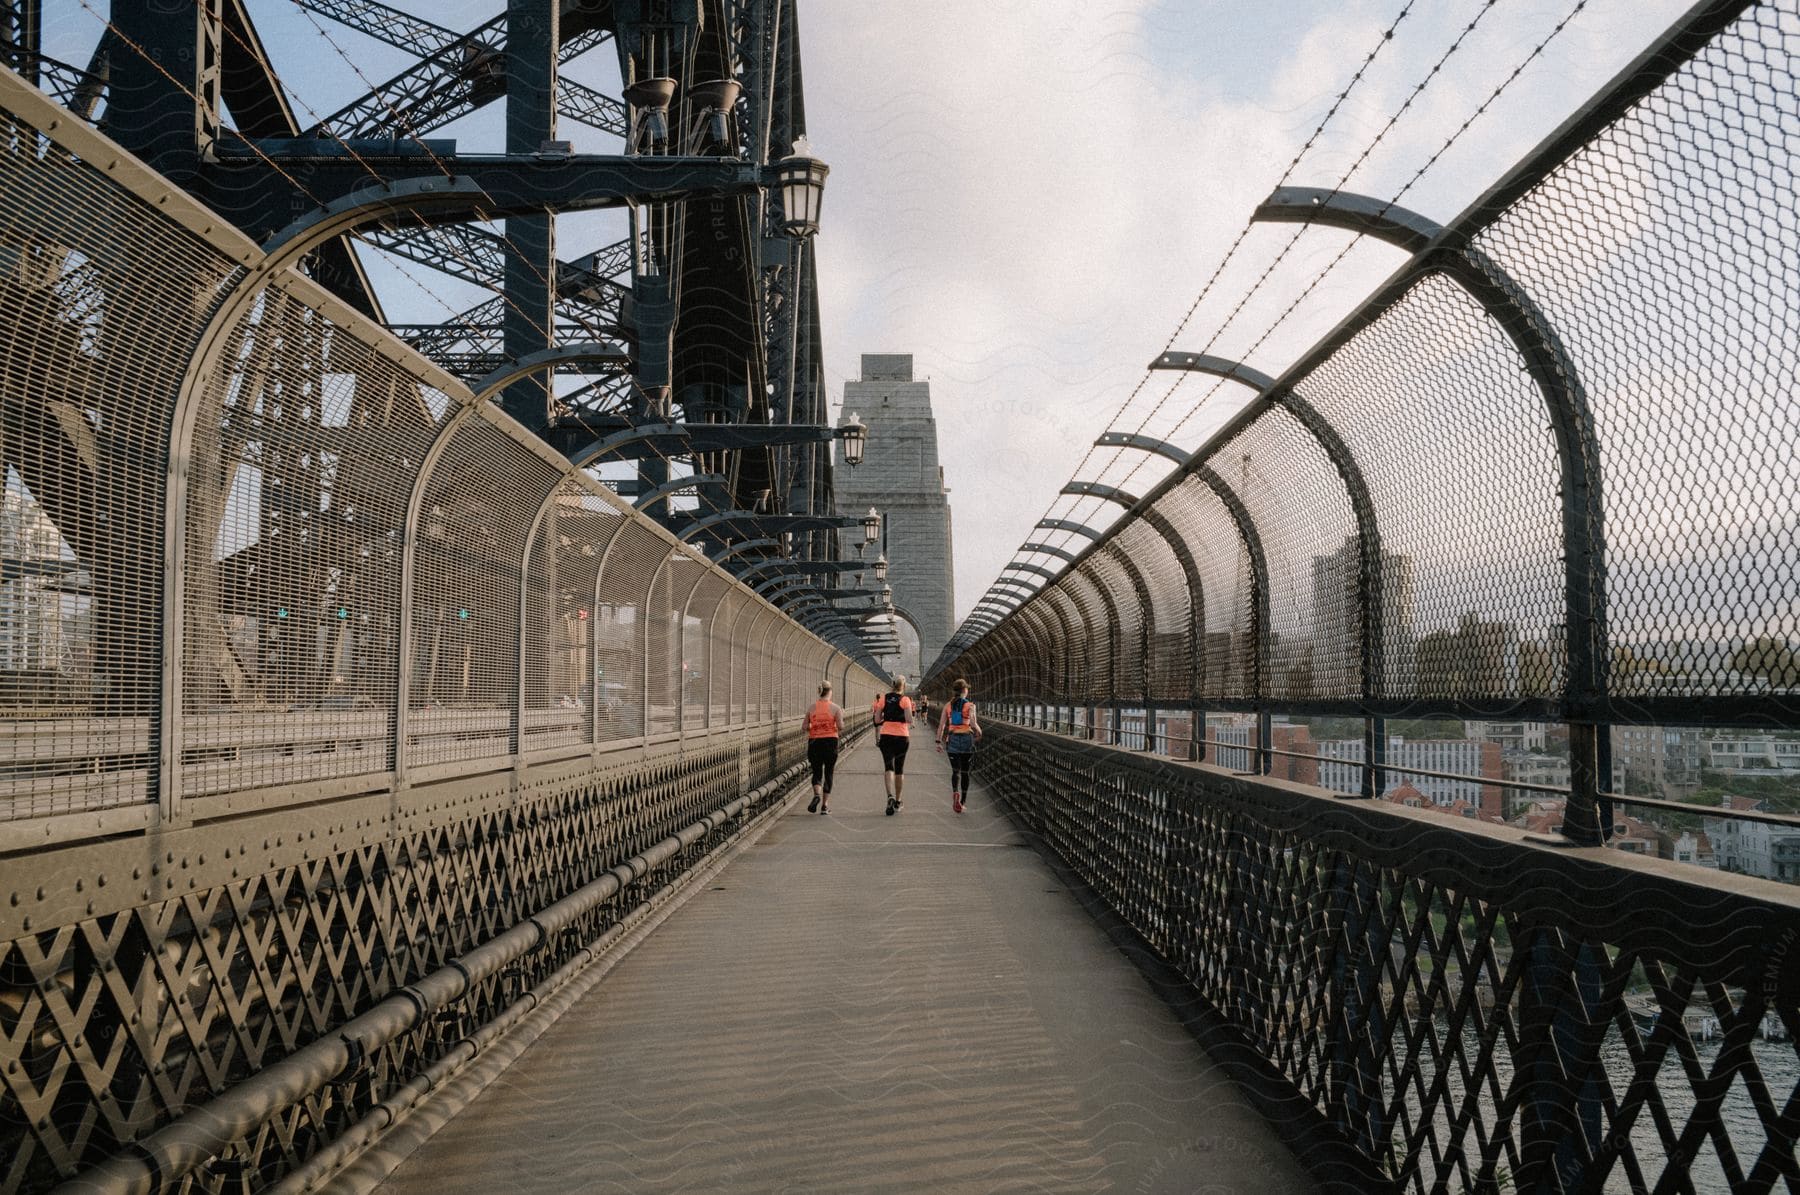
(1469, 1008)
(1547, 471)
(337, 714)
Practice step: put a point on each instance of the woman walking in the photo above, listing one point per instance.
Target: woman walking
(824, 726)
(958, 730)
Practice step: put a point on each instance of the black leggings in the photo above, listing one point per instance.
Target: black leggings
(959, 770)
(893, 752)
(822, 755)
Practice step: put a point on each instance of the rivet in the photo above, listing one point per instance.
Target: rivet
(100, 880)
(40, 893)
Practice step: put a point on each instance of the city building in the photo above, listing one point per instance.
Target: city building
(1693, 849)
(37, 608)
(1340, 769)
(1658, 761)
(1337, 619)
(1512, 736)
(1754, 848)
(900, 477)
(1742, 752)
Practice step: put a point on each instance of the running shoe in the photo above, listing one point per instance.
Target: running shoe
(891, 806)
(814, 806)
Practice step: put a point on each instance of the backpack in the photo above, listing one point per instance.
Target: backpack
(956, 711)
(890, 709)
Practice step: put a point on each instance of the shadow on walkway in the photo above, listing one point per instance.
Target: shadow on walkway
(866, 1003)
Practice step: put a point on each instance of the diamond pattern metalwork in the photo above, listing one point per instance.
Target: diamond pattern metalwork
(1473, 1012)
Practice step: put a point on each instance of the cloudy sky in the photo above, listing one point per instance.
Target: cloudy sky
(1030, 196)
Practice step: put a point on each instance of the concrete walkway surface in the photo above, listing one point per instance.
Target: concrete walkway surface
(866, 1003)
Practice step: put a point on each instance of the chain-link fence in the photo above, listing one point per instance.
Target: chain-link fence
(1548, 471)
(322, 683)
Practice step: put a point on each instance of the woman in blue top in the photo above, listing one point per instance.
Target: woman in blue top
(958, 730)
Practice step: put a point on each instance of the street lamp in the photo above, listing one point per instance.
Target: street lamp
(881, 567)
(651, 98)
(855, 435)
(871, 525)
(802, 182)
(714, 100)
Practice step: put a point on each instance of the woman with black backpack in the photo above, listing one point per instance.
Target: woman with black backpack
(893, 726)
(958, 729)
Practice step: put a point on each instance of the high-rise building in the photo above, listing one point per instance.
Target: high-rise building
(900, 477)
(1337, 620)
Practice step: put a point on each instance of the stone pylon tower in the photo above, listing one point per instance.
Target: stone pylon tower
(900, 476)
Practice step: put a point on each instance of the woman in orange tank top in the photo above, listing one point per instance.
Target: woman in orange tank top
(824, 725)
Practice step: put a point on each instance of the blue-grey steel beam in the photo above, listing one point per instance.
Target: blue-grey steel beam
(1259, 573)
(674, 487)
(1093, 489)
(1040, 570)
(1047, 550)
(1143, 442)
(1553, 369)
(1196, 585)
(529, 321)
(1370, 582)
(1066, 525)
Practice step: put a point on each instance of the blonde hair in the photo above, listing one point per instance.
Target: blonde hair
(898, 685)
(825, 689)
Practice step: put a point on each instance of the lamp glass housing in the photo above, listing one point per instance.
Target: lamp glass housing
(871, 525)
(802, 182)
(855, 436)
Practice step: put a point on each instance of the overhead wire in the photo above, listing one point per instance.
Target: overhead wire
(1387, 36)
(1498, 90)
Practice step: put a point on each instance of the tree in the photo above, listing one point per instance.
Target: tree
(1769, 659)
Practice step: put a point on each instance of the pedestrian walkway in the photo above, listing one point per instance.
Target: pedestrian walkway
(866, 1003)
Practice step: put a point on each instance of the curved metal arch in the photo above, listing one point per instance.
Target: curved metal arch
(1015, 584)
(1111, 629)
(1552, 368)
(1370, 581)
(456, 195)
(1035, 625)
(1047, 550)
(1039, 569)
(1093, 489)
(1066, 525)
(1259, 574)
(1388, 222)
(1146, 610)
(674, 486)
(493, 383)
(671, 438)
(773, 587)
(1062, 677)
(1143, 443)
(1018, 675)
(1190, 570)
(745, 546)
